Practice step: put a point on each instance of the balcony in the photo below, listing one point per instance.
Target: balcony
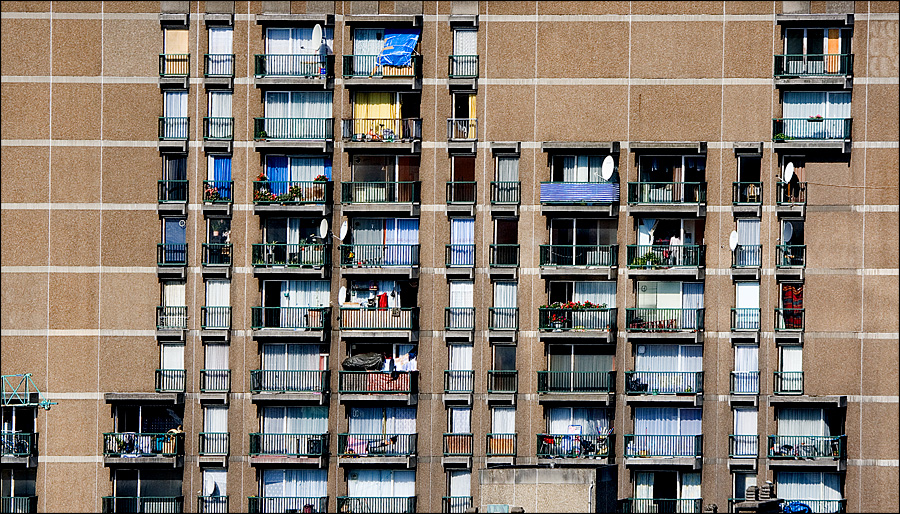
(790, 262)
(746, 261)
(173, 134)
(504, 260)
(363, 70)
(812, 133)
(172, 197)
(501, 448)
(666, 260)
(385, 504)
(216, 258)
(746, 198)
(379, 386)
(502, 386)
(18, 449)
(664, 386)
(577, 320)
(143, 448)
(462, 134)
(790, 322)
(788, 382)
(213, 444)
(171, 259)
(156, 504)
(807, 451)
(380, 259)
(458, 447)
(275, 504)
(506, 197)
(649, 322)
(662, 505)
(503, 322)
(291, 259)
(461, 197)
(456, 504)
(170, 380)
(215, 384)
(459, 319)
(745, 323)
(378, 449)
(572, 449)
(278, 448)
(664, 450)
(212, 504)
(687, 198)
(584, 198)
(579, 259)
(380, 322)
(174, 70)
(790, 198)
(382, 134)
(215, 323)
(218, 71)
(458, 386)
(293, 134)
(18, 504)
(292, 196)
(218, 133)
(289, 385)
(743, 446)
(386, 197)
(171, 321)
(814, 69)
(744, 383)
(307, 322)
(293, 69)
(576, 386)
(462, 67)
(218, 195)
(460, 260)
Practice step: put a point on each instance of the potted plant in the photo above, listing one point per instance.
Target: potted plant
(816, 118)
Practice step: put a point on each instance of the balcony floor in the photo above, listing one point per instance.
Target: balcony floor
(579, 397)
(692, 462)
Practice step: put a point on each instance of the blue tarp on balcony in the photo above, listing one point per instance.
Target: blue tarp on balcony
(579, 192)
(398, 47)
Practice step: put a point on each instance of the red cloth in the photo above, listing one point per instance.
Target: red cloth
(382, 301)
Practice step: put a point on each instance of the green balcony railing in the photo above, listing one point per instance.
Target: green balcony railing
(212, 504)
(813, 65)
(379, 255)
(455, 504)
(504, 381)
(278, 255)
(215, 318)
(666, 192)
(387, 318)
(665, 256)
(459, 255)
(294, 318)
(288, 381)
(506, 192)
(459, 318)
(293, 128)
(366, 66)
(458, 444)
(276, 504)
(743, 446)
(381, 192)
(571, 446)
(459, 381)
(173, 128)
(143, 504)
(816, 129)
(170, 380)
(143, 444)
(293, 65)
(662, 505)
(215, 380)
(501, 445)
(171, 318)
(807, 446)
(746, 193)
(461, 192)
(790, 256)
(216, 254)
(18, 504)
(576, 382)
(664, 320)
(17, 444)
(462, 129)
(214, 443)
(663, 445)
(171, 254)
(462, 66)
(663, 382)
(381, 130)
(378, 382)
(790, 193)
(287, 192)
(744, 382)
(218, 65)
(174, 65)
(579, 255)
(745, 319)
(218, 128)
(386, 505)
(504, 255)
(503, 318)
(746, 256)
(580, 319)
(788, 382)
(377, 445)
(289, 445)
(790, 320)
(172, 191)
(218, 191)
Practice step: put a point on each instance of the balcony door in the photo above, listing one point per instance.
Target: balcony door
(669, 368)
(505, 303)
(748, 251)
(817, 488)
(381, 483)
(578, 368)
(459, 489)
(215, 423)
(814, 51)
(220, 123)
(215, 489)
(589, 422)
(175, 108)
(462, 237)
(746, 369)
(172, 366)
(746, 303)
(220, 51)
(175, 174)
(174, 237)
(834, 106)
(460, 420)
(462, 300)
(294, 421)
(746, 432)
(216, 367)
(297, 114)
(791, 370)
(679, 424)
(281, 362)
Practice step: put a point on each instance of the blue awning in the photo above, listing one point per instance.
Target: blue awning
(398, 47)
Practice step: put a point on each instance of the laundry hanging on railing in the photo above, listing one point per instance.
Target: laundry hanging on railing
(399, 45)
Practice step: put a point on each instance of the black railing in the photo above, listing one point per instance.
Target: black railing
(785, 129)
(296, 318)
(381, 130)
(174, 65)
(462, 129)
(171, 318)
(289, 445)
(298, 192)
(743, 446)
(462, 66)
(790, 193)
(143, 504)
(362, 66)
(16, 444)
(746, 256)
(572, 446)
(662, 505)
(459, 318)
(746, 193)
(386, 505)
(170, 380)
(664, 320)
(168, 254)
(378, 382)
(18, 504)
(291, 255)
(293, 128)
(663, 445)
(218, 191)
(173, 128)
(808, 446)
(503, 318)
(455, 504)
(172, 191)
(744, 382)
(215, 380)
(788, 382)
(661, 256)
(744, 318)
(666, 192)
(377, 445)
(461, 192)
(504, 256)
(381, 192)
(790, 256)
(506, 192)
(216, 254)
(579, 255)
(218, 65)
(278, 504)
(663, 382)
(218, 128)
(288, 381)
(578, 320)
(379, 255)
(215, 318)
(214, 443)
(459, 381)
(459, 255)
(293, 65)
(576, 381)
(815, 65)
(212, 504)
(457, 445)
(503, 381)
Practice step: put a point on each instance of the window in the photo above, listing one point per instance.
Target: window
(670, 305)
(505, 314)
(598, 293)
(17, 483)
(174, 176)
(216, 375)
(671, 178)
(300, 490)
(821, 491)
(746, 434)
(217, 310)
(293, 430)
(746, 306)
(666, 491)
(580, 242)
(386, 242)
(369, 58)
(286, 239)
(748, 252)
(461, 313)
(292, 51)
(666, 431)
(174, 245)
(578, 368)
(746, 369)
(171, 366)
(291, 357)
(802, 108)
(464, 122)
(382, 430)
(792, 251)
(220, 61)
(577, 168)
(175, 48)
(465, 45)
(218, 186)
(741, 482)
(506, 186)
(215, 426)
(18, 429)
(459, 489)
(589, 422)
(503, 420)
(816, 51)
(215, 490)
(175, 116)
(790, 378)
(462, 242)
(385, 116)
(173, 309)
(297, 115)
(749, 186)
(791, 315)
(460, 421)
(220, 124)
(376, 484)
(150, 490)
(300, 178)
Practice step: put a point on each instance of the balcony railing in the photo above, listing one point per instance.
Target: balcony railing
(218, 128)
(790, 256)
(214, 443)
(289, 445)
(278, 504)
(746, 256)
(391, 318)
(579, 193)
(788, 382)
(662, 505)
(18, 504)
(790, 193)
(381, 130)
(298, 192)
(506, 192)
(462, 66)
(293, 65)
(215, 380)
(503, 318)
(462, 129)
(457, 445)
(577, 320)
(216, 254)
(174, 65)
(455, 504)
(172, 191)
(579, 255)
(143, 444)
(173, 128)
(461, 192)
(787, 320)
(141, 504)
(663, 445)
(171, 318)
(378, 382)
(288, 381)
(215, 318)
(501, 445)
(293, 128)
(459, 318)
(503, 381)
(820, 506)
(377, 445)
(664, 320)
(504, 255)
(746, 193)
(218, 191)
(807, 446)
(743, 446)
(785, 129)
(170, 380)
(797, 65)
(387, 505)
(570, 446)
(296, 318)
(666, 192)
(212, 504)
(16, 444)
(665, 256)
(363, 66)
(168, 254)
(459, 255)
(663, 382)
(576, 381)
(270, 255)
(381, 192)
(459, 381)
(744, 318)
(218, 65)
(379, 255)
(744, 382)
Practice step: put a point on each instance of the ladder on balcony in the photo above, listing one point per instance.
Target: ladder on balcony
(20, 391)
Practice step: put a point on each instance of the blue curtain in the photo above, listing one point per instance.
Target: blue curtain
(277, 172)
(222, 175)
(328, 168)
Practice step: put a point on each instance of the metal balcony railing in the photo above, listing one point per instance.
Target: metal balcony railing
(174, 65)
(745, 318)
(744, 382)
(571, 446)
(455, 504)
(462, 66)
(218, 191)
(168, 254)
(143, 444)
(506, 192)
(142, 504)
(381, 130)
(298, 192)
(743, 446)
(363, 66)
(216, 254)
(815, 65)
(665, 256)
(503, 381)
(215, 318)
(386, 505)
(820, 129)
(790, 256)
(787, 320)
(746, 256)
(173, 128)
(296, 318)
(579, 255)
(269, 255)
(218, 65)
(288, 381)
(459, 381)
(218, 128)
(666, 192)
(461, 192)
(503, 318)
(293, 65)
(459, 255)
(459, 318)
(381, 192)
(458, 445)
(378, 382)
(790, 193)
(172, 191)
(18, 504)
(212, 504)
(662, 505)
(170, 380)
(293, 128)
(576, 381)
(171, 318)
(215, 380)
(577, 320)
(17, 444)
(664, 320)
(807, 446)
(663, 382)
(504, 256)
(377, 445)
(501, 445)
(462, 129)
(214, 443)
(788, 382)
(746, 193)
(663, 445)
(379, 255)
(289, 445)
(390, 318)
(278, 504)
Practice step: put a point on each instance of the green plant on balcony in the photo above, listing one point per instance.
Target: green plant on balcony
(211, 194)
(320, 178)
(574, 306)
(781, 136)
(648, 259)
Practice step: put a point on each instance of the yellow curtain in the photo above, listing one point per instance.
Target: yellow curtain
(176, 42)
(472, 123)
(372, 110)
(832, 61)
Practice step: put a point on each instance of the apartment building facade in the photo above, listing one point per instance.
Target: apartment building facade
(430, 256)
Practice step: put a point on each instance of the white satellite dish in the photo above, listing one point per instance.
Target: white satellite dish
(733, 240)
(787, 231)
(343, 230)
(608, 166)
(323, 229)
(342, 294)
(788, 172)
(317, 35)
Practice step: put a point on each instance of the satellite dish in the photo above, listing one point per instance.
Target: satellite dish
(323, 228)
(343, 230)
(342, 294)
(733, 240)
(317, 35)
(787, 231)
(608, 166)
(788, 172)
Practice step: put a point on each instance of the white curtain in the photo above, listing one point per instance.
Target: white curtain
(669, 357)
(464, 42)
(462, 293)
(460, 482)
(809, 485)
(802, 421)
(569, 173)
(748, 235)
(218, 293)
(461, 357)
(692, 298)
(220, 126)
(746, 296)
(368, 41)
(172, 356)
(595, 292)
(503, 420)
(745, 424)
(214, 482)
(803, 104)
(290, 357)
(508, 169)
(173, 294)
(176, 104)
(643, 484)
(305, 293)
(294, 483)
(667, 421)
(462, 232)
(591, 421)
(220, 49)
(383, 420)
(215, 418)
(690, 487)
(306, 169)
(216, 357)
(792, 362)
(461, 420)
(646, 227)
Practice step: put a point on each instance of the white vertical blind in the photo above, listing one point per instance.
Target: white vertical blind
(215, 418)
(802, 421)
(216, 356)
(460, 482)
(218, 293)
(465, 42)
(503, 420)
(462, 293)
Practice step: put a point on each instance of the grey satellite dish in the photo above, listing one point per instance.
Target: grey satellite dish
(317, 36)
(342, 294)
(343, 230)
(323, 229)
(608, 166)
(733, 240)
(788, 172)
(787, 232)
